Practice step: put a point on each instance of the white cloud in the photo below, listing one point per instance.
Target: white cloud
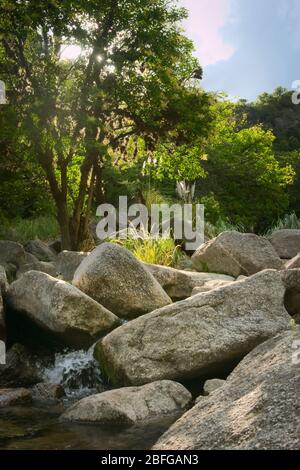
(204, 25)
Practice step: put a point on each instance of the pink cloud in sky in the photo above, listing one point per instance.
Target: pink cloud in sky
(206, 18)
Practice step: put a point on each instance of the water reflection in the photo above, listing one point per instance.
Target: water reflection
(37, 428)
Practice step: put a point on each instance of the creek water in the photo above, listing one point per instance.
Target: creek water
(37, 425)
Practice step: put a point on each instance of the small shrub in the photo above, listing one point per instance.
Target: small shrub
(292, 325)
(213, 230)
(158, 251)
(289, 221)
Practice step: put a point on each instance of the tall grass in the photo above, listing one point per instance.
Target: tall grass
(289, 221)
(21, 230)
(152, 250)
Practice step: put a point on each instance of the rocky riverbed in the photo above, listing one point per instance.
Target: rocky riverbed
(105, 352)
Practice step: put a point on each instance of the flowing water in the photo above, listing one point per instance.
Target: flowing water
(37, 425)
(76, 371)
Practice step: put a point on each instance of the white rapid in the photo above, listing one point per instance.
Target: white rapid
(76, 371)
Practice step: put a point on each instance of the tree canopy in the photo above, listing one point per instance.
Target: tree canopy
(132, 78)
(128, 112)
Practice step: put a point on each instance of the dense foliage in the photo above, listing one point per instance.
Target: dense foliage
(127, 116)
(277, 112)
(243, 173)
(131, 79)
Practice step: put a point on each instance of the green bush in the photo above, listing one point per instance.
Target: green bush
(212, 209)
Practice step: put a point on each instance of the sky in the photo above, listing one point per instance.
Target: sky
(246, 47)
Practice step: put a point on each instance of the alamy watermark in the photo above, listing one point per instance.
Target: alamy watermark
(2, 93)
(181, 221)
(2, 353)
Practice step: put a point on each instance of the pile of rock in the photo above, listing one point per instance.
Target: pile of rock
(115, 278)
(60, 308)
(157, 327)
(36, 255)
(198, 337)
(237, 254)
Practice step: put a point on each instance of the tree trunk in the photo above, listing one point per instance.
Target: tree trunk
(64, 224)
(79, 224)
(75, 235)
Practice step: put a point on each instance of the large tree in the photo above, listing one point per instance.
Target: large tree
(132, 78)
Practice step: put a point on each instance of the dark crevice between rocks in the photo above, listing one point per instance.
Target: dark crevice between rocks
(195, 385)
(21, 329)
(292, 303)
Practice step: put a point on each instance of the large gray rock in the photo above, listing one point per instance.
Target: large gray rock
(210, 285)
(43, 266)
(40, 250)
(116, 279)
(236, 253)
(257, 408)
(130, 405)
(68, 261)
(293, 263)
(198, 337)
(60, 308)
(286, 242)
(179, 284)
(11, 253)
